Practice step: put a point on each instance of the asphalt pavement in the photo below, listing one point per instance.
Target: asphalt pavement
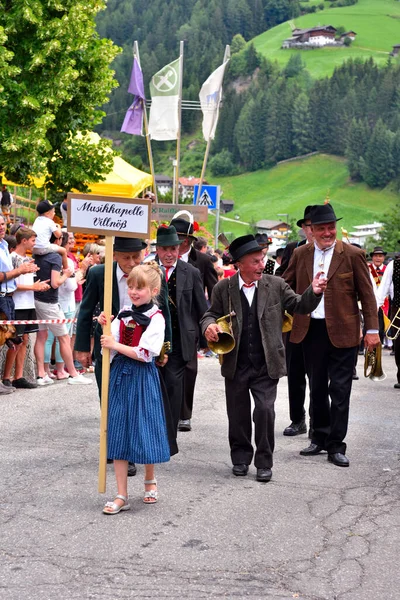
(315, 532)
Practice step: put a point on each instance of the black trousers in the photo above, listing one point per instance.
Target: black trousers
(296, 377)
(238, 403)
(330, 371)
(173, 375)
(188, 387)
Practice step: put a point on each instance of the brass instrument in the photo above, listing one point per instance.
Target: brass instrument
(226, 341)
(373, 364)
(166, 347)
(287, 323)
(394, 324)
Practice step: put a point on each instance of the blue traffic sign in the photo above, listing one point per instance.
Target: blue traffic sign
(209, 196)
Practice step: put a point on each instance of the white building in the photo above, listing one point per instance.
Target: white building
(363, 232)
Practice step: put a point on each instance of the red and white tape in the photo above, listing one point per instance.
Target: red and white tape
(37, 321)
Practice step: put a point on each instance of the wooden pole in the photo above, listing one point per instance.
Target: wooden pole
(178, 140)
(108, 277)
(207, 152)
(146, 128)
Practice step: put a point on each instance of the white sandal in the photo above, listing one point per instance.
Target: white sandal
(152, 494)
(116, 508)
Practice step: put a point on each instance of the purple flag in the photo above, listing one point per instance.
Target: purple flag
(133, 122)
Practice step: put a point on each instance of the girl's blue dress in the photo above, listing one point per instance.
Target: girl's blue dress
(136, 421)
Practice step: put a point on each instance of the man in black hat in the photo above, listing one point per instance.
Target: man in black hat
(264, 242)
(377, 268)
(187, 304)
(390, 286)
(256, 303)
(330, 335)
(203, 263)
(296, 369)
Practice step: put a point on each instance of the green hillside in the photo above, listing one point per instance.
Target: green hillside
(289, 187)
(376, 22)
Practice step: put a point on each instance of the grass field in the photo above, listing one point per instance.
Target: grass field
(376, 22)
(289, 187)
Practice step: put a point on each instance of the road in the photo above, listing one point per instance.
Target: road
(315, 532)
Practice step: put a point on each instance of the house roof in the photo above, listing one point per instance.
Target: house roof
(396, 46)
(191, 181)
(163, 178)
(297, 32)
(270, 224)
(347, 33)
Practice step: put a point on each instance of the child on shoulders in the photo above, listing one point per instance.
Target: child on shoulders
(44, 227)
(136, 422)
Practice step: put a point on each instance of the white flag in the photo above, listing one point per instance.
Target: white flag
(164, 90)
(210, 98)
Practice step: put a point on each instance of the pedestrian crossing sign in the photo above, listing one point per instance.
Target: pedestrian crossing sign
(209, 196)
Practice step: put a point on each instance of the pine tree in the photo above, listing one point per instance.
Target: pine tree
(356, 147)
(302, 125)
(378, 170)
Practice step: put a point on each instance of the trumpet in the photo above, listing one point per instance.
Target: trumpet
(373, 364)
(395, 325)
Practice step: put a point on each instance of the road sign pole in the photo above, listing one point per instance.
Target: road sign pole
(217, 217)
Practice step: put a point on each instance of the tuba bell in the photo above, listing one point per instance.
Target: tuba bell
(394, 325)
(373, 364)
(226, 341)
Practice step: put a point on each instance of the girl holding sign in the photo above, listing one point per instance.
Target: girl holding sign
(136, 422)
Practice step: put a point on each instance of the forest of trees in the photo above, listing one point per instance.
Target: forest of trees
(355, 113)
(206, 26)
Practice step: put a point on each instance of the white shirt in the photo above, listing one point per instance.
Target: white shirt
(152, 339)
(386, 285)
(23, 299)
(124, 299)
(43, 227)
(322, 262)
(169, 270)
(248, 291)
(66, 291)
(185, 257)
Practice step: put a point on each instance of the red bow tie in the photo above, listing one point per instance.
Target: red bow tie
(249, 285)
(125, 275)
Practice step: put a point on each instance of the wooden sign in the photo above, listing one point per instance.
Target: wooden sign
(108, 215)
(165, 212)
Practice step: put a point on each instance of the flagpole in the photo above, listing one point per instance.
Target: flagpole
(146, 127)
(227, 56)
(178, 139)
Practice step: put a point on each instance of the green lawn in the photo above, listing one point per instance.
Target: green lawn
(289, 187)
(376, 22)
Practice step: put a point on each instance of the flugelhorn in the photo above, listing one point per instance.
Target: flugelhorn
(226, 341)
(394, 324)
(373, 364)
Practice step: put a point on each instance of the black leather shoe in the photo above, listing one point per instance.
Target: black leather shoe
(296, 428)
(264, 475)
(131, 469)
(311, 450)
(397, 386)
(184, 425)
(240, 470)
(339, 459)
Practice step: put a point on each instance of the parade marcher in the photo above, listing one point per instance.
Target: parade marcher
(331, 334)
(127, 254)
(8, 284)
(390, 286)
(377, 268)
(257, 361)
(264, 242)
(204, 264)
(187, 304)
(136, 423)
(296, 369)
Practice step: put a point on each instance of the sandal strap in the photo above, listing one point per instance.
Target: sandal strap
(151, 494)
(121, 497)
(150, 482)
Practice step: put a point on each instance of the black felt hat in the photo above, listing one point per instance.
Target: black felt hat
(167, 236)
(306, 217)
(323, 213)
(245, 244)
(124, 244)
(263, 240)
(183, 227)
(378, 250)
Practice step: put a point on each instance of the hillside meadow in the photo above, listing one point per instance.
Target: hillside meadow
(289, 187)
(376, 22)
